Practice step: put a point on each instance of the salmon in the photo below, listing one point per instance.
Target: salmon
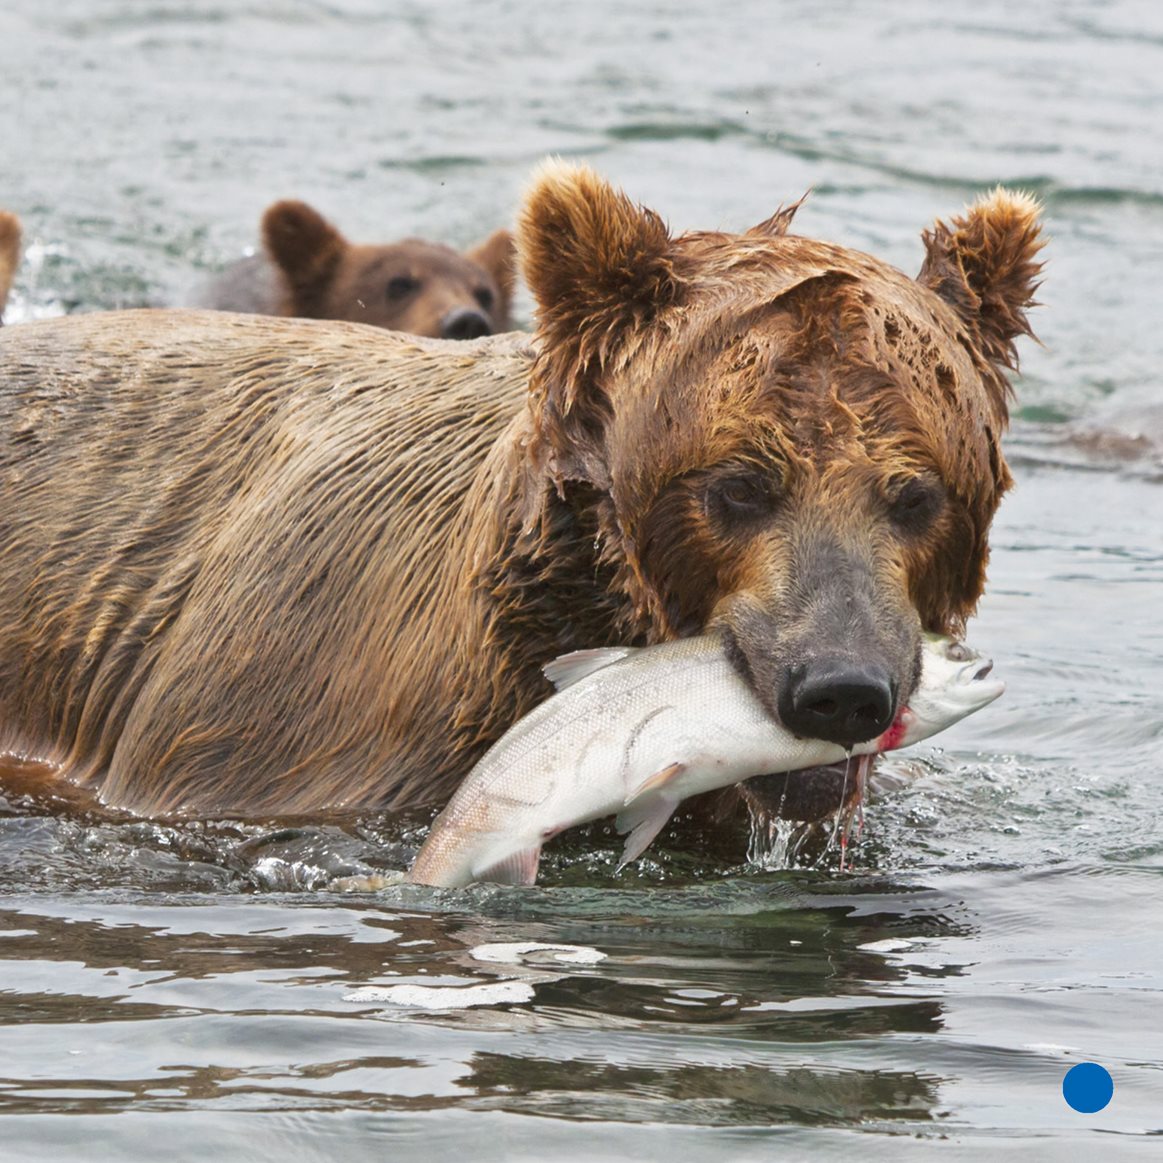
(632, 733)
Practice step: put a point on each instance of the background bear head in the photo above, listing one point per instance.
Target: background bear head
(421, 287)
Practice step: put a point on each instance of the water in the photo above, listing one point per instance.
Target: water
(1003, 919)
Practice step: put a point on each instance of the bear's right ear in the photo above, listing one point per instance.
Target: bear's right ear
(595, 261)
(307, 248)
(600, 269)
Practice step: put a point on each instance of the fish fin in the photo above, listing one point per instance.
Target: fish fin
(658, 780)
(567, 669)
(516, 868)
(643, 821)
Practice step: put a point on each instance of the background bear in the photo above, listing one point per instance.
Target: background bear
(309, 270)
(9, 254)
(268, 566)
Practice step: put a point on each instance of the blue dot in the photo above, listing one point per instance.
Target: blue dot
(1088, 1087)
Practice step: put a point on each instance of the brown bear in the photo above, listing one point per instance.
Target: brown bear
(272, 566)
(9, 255)
(309, 270)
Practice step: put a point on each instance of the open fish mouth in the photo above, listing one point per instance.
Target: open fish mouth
(807, 795)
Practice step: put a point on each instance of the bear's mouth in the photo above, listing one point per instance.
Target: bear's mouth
(808, 795)
(738, 659)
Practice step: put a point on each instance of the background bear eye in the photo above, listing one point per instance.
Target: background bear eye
(401, 286)
(916, 506)
(484, 297)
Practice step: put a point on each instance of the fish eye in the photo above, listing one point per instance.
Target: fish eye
(401, 286)
(958, 652)
(916, 505)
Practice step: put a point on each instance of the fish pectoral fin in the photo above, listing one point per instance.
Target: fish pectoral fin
(570, 668)
(643, 820)
(657, 781)
(516, 868)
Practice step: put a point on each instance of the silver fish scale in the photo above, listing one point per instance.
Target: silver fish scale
(545, 756)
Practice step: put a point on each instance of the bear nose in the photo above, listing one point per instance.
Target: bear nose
(837, 700)
(464, 323)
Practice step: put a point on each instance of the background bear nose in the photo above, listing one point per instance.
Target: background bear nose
(839, 701)
(464, 323)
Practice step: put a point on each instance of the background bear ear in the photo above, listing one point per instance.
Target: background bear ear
(498, 255)
(600, 268)
(985, 267)
(307, 248)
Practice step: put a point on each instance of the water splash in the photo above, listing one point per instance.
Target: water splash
(776, 844)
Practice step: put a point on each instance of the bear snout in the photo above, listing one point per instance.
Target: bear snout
(830, 657)
(464, 323)
(842, 700)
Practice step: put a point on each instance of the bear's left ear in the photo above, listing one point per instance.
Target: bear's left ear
(985, 267)
(498, 256)
(600, 269)
(307, 248)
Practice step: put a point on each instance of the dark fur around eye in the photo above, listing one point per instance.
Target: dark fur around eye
(681, 552)
(741, 498)
(916, 505)
(484, 298)
(401, 286)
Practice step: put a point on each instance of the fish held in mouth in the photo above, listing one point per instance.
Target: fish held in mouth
(632, 732)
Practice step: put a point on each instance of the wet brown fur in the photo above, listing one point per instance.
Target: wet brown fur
(9, 254)
(263, 565)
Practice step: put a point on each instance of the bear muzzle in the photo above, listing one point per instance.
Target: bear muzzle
(464, 323)
(843, 700)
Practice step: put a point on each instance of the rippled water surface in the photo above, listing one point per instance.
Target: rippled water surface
(209, 982)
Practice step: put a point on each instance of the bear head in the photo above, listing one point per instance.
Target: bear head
(782, 439)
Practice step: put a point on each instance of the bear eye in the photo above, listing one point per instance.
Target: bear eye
(916, 505)
(484, 297)
(742, 497)
(401, 286)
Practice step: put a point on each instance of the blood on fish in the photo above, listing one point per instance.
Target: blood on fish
(893, 736)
